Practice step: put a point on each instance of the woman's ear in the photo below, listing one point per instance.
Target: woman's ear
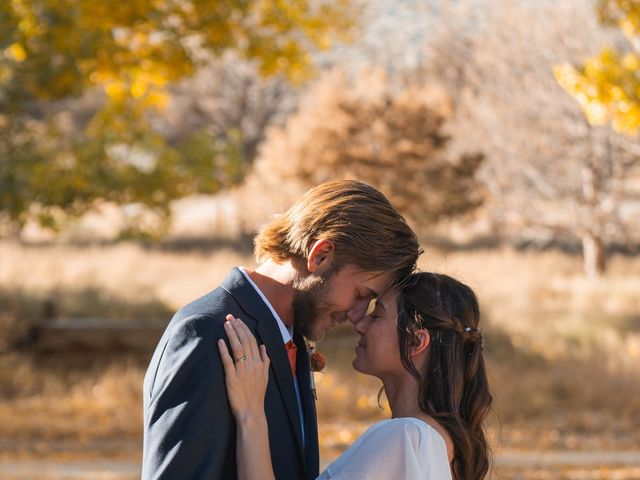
(321, 256)
(421, 342)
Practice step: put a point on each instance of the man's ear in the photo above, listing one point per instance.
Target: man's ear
(422, 341)
(321, 256)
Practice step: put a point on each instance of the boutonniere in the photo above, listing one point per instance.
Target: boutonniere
(317, 362)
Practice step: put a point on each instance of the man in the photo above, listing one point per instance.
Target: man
(320, 263)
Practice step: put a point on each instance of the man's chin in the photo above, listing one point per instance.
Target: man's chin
(314, 334)
(320, 329)
(317, 336)
(314, 331)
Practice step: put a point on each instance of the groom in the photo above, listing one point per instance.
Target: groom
(320, 263)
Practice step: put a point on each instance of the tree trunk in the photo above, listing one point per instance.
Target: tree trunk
(593, 255)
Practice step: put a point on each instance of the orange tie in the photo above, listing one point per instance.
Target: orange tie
(291, 352)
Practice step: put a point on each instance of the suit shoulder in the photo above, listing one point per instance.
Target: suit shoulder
(211, 304)
(203, 316)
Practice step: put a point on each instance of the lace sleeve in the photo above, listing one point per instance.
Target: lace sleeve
(399, 448)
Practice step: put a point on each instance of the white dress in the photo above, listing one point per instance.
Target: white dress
(395, 449)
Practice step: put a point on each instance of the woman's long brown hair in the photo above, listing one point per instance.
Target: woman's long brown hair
(453, 388)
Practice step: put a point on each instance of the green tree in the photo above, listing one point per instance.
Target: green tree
(82, 82)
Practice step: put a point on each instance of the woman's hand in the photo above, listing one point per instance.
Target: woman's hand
(246, 371)
(246, 374)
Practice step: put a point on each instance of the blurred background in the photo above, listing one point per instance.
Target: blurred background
(143, 143)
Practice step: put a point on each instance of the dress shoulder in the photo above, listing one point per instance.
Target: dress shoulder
(402, 448)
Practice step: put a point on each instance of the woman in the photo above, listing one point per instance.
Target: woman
(422, 340)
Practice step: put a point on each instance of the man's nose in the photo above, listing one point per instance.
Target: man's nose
(358, 310)
(359, 325)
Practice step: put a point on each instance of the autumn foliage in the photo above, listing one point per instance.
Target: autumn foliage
(390, 136)
(607, 85)
(82, 84)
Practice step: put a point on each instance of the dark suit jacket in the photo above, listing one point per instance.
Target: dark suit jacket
(189, 430)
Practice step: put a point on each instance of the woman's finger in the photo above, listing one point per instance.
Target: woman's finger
(265, 363)
(248, 339)
(236, 347)
(227, 362)
(242, 337)
(264, 356)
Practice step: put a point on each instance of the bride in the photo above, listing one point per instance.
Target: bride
(422, 340)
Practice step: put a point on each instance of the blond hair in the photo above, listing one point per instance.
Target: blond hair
(365, 228)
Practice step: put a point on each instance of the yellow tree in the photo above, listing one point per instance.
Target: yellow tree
(82, 80)
(607, 86)
(554, 178)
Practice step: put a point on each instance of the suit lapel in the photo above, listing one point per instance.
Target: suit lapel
(282, 371)
(267, 328)
(303, 374)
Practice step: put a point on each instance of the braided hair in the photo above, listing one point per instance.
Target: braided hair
(453, 388)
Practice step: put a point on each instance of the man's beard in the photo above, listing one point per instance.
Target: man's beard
(309, 302)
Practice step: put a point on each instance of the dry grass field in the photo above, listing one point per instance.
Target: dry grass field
(563, 351)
